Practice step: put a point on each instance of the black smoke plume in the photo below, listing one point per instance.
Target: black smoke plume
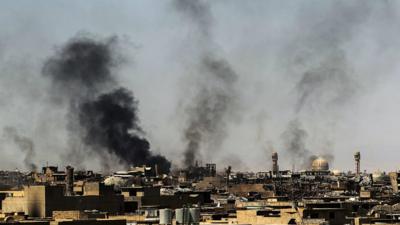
(82, 68)
(101, 115)
(25, 144)
(216, 96)
(111, 123)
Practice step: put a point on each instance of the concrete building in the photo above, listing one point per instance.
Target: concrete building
(282, 214)
(42, 200)
(142, 197)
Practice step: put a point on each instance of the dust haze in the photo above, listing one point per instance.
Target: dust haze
(221, 81)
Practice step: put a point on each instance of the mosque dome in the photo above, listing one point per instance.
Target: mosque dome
(320, 164)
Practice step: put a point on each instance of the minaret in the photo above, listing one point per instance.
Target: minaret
(69, 181)
(275, 167)
(357, 158)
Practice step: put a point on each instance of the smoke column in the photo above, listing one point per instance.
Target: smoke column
(328, 84)
(215, 100)
(111, 123)
(82, 68)
(102, 116)
(326, 77)
(294, 138)
(326, 81)
(25, 144)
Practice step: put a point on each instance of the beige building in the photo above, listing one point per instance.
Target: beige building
(41, 201)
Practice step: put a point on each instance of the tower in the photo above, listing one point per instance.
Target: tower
(69, 181)
(357, 158)
(275, 167)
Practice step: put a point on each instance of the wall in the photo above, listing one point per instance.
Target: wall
(90, 222)
(73, 214)
(14, 204)
(41, 201)
(174, 201)
(247, 216)
(243, 189)
(28, 222)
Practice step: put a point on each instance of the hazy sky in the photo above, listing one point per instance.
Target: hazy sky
(331, 65)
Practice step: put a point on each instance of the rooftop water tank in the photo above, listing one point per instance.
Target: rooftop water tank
(165, 216)
(182, 216)
(194, 216)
